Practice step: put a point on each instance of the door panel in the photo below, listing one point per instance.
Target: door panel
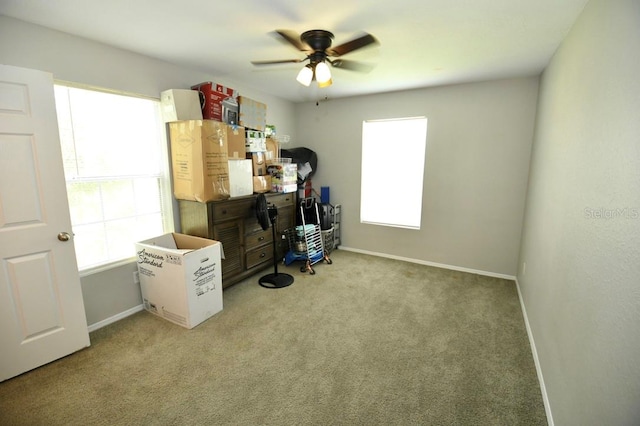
(42, 315)
(35, 297)
(19, 207)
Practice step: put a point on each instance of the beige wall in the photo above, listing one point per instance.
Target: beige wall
(478, 147)
(83, 61)
(581, 240)
(113, 292)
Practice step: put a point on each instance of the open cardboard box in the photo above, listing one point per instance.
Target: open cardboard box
(181, 277)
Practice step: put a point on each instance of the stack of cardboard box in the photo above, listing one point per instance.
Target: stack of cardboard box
(219, 145)
(270, 172)
(256, 146)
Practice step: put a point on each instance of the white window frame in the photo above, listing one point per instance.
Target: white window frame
(166, 200)
(392, 176)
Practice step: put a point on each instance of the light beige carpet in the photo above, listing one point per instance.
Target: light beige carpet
(364, 341)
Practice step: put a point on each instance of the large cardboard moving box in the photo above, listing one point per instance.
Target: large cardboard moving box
(199, 159)
(181, 277)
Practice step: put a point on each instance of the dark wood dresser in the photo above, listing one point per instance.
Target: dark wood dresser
(247, 247)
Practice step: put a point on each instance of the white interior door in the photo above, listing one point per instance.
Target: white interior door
(42, 315)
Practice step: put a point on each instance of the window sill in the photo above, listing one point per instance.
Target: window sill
(106, 267)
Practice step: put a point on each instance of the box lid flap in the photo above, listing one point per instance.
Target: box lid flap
(164, 241)
(181, 243)
(189, 242)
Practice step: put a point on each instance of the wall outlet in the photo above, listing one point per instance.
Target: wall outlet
(136, 277)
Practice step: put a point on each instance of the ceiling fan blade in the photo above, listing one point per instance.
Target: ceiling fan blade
(282, 61)
(293, 38)
(351, 65)
(350, 46)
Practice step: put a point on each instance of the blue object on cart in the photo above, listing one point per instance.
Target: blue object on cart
(292, 256)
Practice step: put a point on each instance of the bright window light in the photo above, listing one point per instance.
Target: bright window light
(115, 162)
(393, 157)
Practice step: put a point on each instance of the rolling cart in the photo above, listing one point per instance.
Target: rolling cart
(305, 241)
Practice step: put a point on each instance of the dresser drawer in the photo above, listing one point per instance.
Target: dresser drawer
(257, 239)
(251, 225)
(282, 200)
(231, 210)
(259, 255)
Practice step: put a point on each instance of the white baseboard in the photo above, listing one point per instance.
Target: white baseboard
(117, 317)
(434, 264)
(536, 360)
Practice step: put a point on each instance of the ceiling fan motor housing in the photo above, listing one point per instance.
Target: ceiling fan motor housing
(318, 40)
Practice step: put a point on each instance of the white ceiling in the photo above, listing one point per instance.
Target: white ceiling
(422, 42)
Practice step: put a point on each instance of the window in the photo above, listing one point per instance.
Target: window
(115, 164)
(393, 155)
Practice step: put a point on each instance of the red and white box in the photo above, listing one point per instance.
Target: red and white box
(218, 102)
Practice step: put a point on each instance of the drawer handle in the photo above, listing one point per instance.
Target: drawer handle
(224, 211)
(261, 239)
(263, 254)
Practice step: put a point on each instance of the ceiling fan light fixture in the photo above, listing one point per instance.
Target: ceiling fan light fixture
(323, 74)
(305, 75)
(326, 83)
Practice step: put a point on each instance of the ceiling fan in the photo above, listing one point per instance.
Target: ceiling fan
(316, 44)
